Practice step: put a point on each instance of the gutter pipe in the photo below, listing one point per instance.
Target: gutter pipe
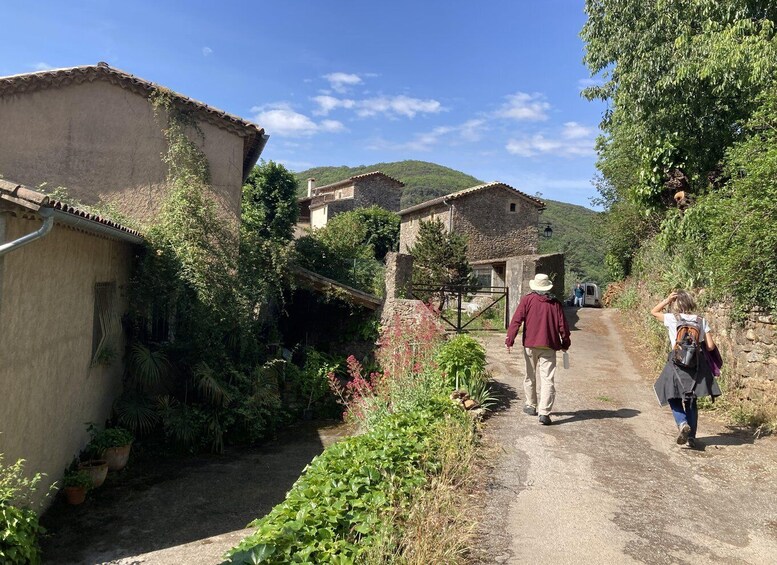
(49, 215)
(450, 214)
(48, 222)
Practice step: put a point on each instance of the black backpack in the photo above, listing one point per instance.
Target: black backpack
(687, 345)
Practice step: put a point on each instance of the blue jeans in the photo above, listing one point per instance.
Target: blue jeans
(685, 411)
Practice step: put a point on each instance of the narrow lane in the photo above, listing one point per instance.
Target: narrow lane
(606, 483)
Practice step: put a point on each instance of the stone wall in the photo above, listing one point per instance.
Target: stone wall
(398, 307)
(377, 191)
(750, 358)
(410, 226)
(520, 270)
(491, 229)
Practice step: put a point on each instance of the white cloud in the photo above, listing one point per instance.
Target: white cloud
(42, 67)
(206, 51)
(525, 107)
(573, 130)
(397, 105)
(390, 106)
(584, 83)
(328, 103)
(282, 120)
(469, 131)
(341, 82)
(538, 144)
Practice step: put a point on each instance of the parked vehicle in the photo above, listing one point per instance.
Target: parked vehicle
(592, 295)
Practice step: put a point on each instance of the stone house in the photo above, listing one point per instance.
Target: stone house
(497, 220)
(361, 191)
(64, 271)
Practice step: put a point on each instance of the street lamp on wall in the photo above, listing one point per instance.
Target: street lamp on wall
(547, 233)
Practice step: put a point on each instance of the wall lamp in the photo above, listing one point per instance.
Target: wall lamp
(547, 233)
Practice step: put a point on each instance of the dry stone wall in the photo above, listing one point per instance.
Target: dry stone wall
(749, 352)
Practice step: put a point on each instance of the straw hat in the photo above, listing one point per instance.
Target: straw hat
(541, 283)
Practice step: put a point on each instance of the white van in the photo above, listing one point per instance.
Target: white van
(592, 297)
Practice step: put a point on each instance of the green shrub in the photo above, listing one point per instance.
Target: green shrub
(109, 437)
(19, 525)
(337, 509)
(461, 356)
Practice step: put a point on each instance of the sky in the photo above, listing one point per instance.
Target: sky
(490, 88)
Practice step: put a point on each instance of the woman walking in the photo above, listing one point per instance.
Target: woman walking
(687, 374)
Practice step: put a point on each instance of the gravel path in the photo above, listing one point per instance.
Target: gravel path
(606, 483)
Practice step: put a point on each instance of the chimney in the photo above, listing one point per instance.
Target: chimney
(311, 186)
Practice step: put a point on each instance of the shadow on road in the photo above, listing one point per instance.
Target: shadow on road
(570, 313)
(580, 415)
(504, 394)
(167, 500)
(736, 436)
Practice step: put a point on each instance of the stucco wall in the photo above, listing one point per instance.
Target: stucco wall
(492, 230)
(102, 142)
(46, 314)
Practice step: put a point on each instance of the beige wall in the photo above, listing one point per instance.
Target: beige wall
(318, 217)
(102, 142)
(46, 317)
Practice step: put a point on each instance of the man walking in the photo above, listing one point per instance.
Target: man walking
(545, 331)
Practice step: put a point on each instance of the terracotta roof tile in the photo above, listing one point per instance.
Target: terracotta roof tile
(33, 200)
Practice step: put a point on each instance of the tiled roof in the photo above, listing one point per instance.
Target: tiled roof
(32, 200)
(254, 136)
(467, 191)
(357, 178)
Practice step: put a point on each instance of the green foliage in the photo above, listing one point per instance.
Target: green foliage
(269, 202)
(77, 478)
(342, 250)
(461, 356)
(19, 525)
(440, 258)
(337, 509)
(19, 532)
(382, 229)
(100, 440)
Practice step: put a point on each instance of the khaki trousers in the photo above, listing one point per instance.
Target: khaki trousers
(540, 364)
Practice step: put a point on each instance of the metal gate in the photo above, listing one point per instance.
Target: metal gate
(461, 305)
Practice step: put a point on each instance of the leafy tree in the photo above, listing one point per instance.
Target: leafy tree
(340, 251)
(381, 228)
(440, 258)
(269, 208)
(680, 77)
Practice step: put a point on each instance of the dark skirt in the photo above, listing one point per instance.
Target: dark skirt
(676, 382)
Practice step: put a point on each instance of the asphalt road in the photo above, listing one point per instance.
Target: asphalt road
(607, 483)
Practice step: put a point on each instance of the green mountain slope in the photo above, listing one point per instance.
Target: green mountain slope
(573, 226)
(424, 180)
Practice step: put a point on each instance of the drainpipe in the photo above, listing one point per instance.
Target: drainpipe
(48, 221)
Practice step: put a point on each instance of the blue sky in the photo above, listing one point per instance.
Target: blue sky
(491, 88)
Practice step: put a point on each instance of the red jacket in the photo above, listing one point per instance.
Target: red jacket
(544, 323)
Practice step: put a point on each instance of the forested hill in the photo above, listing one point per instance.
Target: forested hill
(423, 180)
(573, 226)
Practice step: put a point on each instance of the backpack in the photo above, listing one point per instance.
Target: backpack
(687, 347)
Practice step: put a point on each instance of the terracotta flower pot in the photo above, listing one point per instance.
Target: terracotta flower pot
(117, 457)
(75, 495)
(97, 470)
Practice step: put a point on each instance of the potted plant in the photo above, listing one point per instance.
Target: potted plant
(97, 469)
(111, 444)
(76, 483)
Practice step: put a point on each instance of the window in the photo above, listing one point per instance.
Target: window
(512, 206)
(338, 195)
(105, 327)
(483, 275)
